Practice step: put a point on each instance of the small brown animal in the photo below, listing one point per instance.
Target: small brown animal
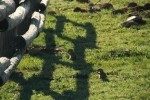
(102, 75)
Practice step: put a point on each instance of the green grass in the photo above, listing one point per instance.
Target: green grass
(99, 42)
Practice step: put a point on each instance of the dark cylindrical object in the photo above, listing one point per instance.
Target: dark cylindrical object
(7, 43)
(6, 7)
(43, 5)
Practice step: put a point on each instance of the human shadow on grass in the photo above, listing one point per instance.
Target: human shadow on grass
(42, 81)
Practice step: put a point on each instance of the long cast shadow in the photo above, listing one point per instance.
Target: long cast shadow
(80, 44)
(42, 81)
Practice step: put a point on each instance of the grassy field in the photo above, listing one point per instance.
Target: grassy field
(99, 41)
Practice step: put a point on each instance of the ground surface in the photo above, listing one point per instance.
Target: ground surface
(97, 40)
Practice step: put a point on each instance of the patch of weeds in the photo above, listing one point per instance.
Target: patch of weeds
(143, 96)
(148, 55)
(121, 53)
(68, 0)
